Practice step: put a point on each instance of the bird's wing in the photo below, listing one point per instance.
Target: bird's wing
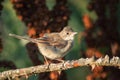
(53, 40)
(48, 39)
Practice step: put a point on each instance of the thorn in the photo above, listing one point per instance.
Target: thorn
(93, 66)
(89, 60)
(106, 59)
(59, 72)
(26, 76)
(99, 60)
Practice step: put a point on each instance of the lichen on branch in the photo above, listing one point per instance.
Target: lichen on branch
(106, 61)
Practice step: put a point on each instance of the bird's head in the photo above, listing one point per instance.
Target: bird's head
(67, 33)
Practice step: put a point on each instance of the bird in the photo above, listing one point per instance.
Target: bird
(54, 45)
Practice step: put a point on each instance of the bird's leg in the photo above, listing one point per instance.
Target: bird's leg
(46, 61)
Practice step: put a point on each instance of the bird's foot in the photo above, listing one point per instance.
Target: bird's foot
(60, 60)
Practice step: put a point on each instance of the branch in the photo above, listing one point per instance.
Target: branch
(115, 61)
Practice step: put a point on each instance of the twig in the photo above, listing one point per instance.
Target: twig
(115, 61)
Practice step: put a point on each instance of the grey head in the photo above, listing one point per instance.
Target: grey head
(67, 33)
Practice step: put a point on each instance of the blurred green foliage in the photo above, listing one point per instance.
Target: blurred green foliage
(14, 50)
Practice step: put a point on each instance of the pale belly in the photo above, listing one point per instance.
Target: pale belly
(51, 52)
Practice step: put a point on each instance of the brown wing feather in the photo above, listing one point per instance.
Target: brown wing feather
(53, 40)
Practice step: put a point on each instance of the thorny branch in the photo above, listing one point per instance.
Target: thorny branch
(106, 61)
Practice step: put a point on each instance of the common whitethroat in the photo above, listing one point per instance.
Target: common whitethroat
(53, 45)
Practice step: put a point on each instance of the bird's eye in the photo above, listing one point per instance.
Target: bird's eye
(67, 33)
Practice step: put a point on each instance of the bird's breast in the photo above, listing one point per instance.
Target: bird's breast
(53, 52)
(49, 51)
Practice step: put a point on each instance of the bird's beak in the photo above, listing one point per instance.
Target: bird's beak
(74, 33)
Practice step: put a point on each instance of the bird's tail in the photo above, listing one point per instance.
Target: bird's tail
(23, 37)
